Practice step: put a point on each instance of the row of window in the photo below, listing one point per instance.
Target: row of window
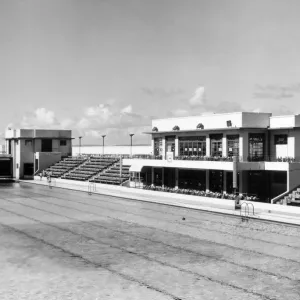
(61, 142)
(196, 146)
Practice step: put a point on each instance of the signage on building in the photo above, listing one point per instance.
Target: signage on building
(170, 156)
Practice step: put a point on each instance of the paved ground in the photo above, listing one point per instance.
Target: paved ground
(60, 244)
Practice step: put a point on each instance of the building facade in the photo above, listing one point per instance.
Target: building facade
(36, 149)
(250, 153)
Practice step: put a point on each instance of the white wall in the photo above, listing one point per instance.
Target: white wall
(211, 121)
(190, 123)
(184, 164)
(261, 120)
(284, 121)
(46, 159)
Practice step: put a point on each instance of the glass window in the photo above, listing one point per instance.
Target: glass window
(256, 146)
(28, 142)
(63, 143)
(216, 144)
(232, 145)
(280, 139)
(157, 146)
(193, 145)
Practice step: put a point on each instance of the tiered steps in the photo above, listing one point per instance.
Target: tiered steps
(64, 166)
(292, 199)
(90, 168)
(112, 175)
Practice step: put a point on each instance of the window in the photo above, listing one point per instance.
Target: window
(216, 144)
(256, 146)
(157, 146)
(170, 143)
(193, 145)
(280, 139)
(46, 145)
(63, 143)
(232, 145)
(28, 142)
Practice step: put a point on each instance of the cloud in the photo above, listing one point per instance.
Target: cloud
(179, 113)
(198, 98)
(127, 110)
(41, 117)
(161, 92)
(277, 92)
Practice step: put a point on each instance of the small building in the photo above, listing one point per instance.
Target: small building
(33, 150)
(245, 152)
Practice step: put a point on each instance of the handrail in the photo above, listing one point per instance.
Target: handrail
(246, 216)
(279, 197)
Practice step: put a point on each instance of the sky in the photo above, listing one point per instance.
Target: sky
(108, 67)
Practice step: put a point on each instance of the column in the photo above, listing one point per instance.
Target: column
(152, 175)
(224, 146)
(163, 177)
(208, 146)
(163, 147)
(224, 182)
(176, 178)
(176, 146)
(207, 181)
(243, 145)
(152, 145)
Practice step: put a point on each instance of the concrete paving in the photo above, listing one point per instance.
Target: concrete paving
(263, 211)
(66, 244)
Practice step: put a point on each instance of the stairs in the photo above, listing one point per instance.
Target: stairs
(291, 198)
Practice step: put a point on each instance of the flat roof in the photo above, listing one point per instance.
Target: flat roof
(219, 129)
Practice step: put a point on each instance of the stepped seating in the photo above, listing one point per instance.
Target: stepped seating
(112, 175)
(64, 166)
(292, 198)
(89, 169)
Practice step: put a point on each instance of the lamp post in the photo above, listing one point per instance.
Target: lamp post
(103, 136)
(131, 135)
(80, 137)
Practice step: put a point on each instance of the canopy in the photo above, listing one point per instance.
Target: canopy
(136, 168)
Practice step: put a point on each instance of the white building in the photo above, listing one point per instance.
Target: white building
(198, 151)
(36, 149)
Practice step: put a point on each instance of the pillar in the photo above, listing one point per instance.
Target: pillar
(208, 146)
(207, 181)
(224, 182)
(224, 146)
(152, 145)
(152, 175)
(163, 177)
(243, 146)
(176, 146)
(176, 178)
(163, 147)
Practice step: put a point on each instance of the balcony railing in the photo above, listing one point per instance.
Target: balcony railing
(273, 159)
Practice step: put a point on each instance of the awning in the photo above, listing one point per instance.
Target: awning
(136, 168)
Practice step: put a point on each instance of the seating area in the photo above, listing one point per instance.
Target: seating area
(292, 199)
(112, 175)
(93, 166)
(65, 166)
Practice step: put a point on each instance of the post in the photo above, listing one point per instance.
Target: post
(80, 145)
(103, 136)
(234, 174)
(131, 135)
(120, 168)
